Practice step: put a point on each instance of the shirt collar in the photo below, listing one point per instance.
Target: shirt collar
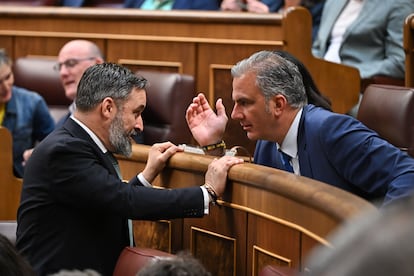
(290, 145)
(72, 107)
(95, 138)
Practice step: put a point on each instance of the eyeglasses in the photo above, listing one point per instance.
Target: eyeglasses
(70, 63)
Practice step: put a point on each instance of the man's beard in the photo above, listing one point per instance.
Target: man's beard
(119, 138)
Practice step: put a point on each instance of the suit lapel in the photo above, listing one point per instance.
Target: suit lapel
(77, 131)
(330, 19)
(305, 164)
(366, 10)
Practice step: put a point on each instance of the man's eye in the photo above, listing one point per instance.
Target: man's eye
(71, 62)
(6, 78)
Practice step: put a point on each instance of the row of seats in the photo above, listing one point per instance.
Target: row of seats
(168, 96)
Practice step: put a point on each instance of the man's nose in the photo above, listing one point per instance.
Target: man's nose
(235, 114)
(139, 123)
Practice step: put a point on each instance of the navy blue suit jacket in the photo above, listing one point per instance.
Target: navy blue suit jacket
(341, 151)
(181, 4)
(74, 209)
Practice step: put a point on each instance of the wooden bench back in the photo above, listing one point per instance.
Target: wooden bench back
(10, 186)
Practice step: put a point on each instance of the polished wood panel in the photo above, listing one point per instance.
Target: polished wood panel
(409, 50)
(10, 186)
(266, 216)
(204, 44)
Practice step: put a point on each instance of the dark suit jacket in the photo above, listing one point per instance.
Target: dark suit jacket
(181, 4)
(341, 151)
(74, 209)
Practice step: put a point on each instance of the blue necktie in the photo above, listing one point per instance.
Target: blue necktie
(286, 161)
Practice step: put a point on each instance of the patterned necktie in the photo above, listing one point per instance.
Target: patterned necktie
(118, 172)
(286, 161)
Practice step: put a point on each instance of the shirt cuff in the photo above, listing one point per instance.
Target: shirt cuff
(142, 179)
(206, 199)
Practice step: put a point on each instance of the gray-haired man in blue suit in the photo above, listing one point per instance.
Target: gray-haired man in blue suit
(271, 105)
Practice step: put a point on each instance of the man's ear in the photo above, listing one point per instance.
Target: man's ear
(277, 104)
(108, 107)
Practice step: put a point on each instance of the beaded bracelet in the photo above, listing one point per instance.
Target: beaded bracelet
(211, 192)
(220, 144)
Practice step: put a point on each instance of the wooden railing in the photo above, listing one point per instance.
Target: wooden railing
(10, 186)
(266, 216)
(409, 50)
(204, 44)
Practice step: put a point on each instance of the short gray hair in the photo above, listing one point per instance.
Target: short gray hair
(274, 75)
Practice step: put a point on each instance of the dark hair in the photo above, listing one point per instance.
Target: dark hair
(315, 96)
(182, 264)
(106, 80)
(11, 262)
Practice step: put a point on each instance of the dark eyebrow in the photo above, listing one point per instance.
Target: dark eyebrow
(140, 108)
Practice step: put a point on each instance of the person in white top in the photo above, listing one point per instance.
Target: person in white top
(366, 34)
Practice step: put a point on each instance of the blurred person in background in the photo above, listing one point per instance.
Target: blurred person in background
(24, 113)
(367, 35)
(315, 7)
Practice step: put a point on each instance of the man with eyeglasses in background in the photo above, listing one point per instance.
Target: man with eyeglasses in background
(74, 58)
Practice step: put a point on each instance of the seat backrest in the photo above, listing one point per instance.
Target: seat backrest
(168, 97)
(389, 110)
(10, 186)
(132, 259)
(37, 74)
